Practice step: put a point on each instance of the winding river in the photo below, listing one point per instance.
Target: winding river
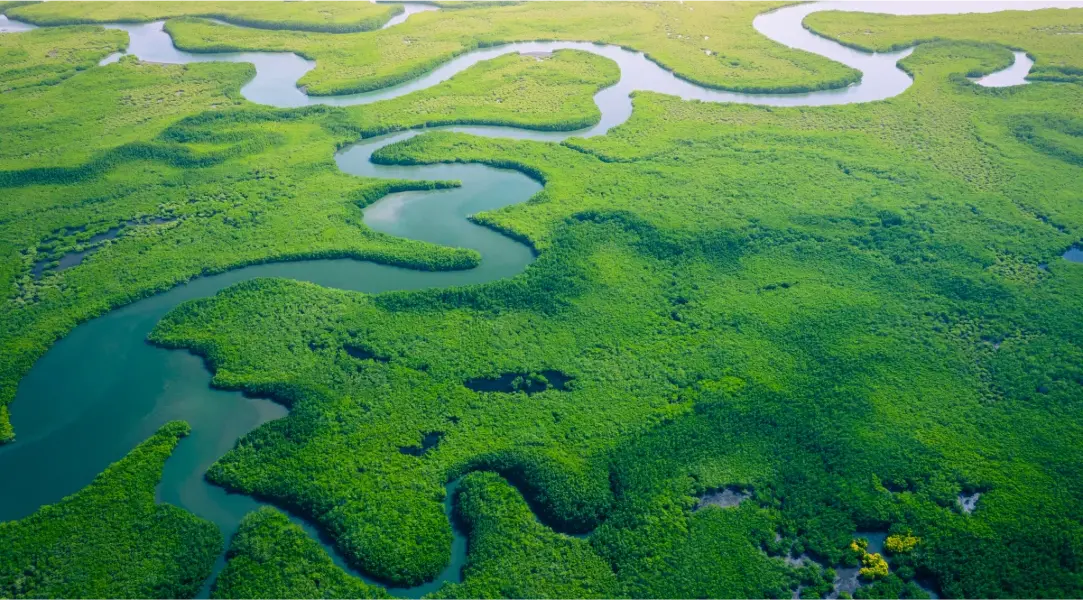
(102, 389)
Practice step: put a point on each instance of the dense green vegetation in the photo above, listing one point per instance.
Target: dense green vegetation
(111, 540)
(51, 55)
(6, 5)
(66, 126)
(270, 557)
(553, 93)
(855, 311)
(1052, 37)
(512, 555)
(332, 17)
(237, 184)
(710, 43)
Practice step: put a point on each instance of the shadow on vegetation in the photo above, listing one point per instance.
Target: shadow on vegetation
(530, 383)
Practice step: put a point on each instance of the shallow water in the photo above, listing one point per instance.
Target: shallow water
(9, 26)
(409, 8)
(847, 579)
(968, 502)
(1013, 75)
(115, 389)
(725, 498)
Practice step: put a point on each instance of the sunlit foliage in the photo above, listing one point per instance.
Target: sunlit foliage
(901, 543)
(333, 17)
(269, 557)
(1053, 37)
(873, 566)
(803, 302)
(711, 43)
(554, 93)
(50, 55)
(856, 312)
(111, 540)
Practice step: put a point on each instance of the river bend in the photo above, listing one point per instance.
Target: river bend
(101, 390)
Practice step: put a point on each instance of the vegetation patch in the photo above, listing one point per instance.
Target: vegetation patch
(270, 557)
(511, 90)
(57, 258)
(1059, 137)
(111, 540)
(331, 17)
(1051, 36)
(511, 554)
(49, 56)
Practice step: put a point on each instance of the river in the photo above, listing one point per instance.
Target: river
(102, 389)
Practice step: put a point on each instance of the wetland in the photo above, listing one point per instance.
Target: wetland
(102, 389)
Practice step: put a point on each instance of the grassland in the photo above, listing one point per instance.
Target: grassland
(546, 94)
(331, 17)
(111, 540)
(7, 5)
(53, 55)
(710, 43)
(1052, 37)
(857, 312)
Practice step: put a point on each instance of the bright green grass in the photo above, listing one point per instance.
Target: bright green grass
(549, 93)
(1053, 37)
(457, 5)
(7, 5)
(56, 126)
(134, 140)
(841, 308)
(332, 17)
(49, 56)
(111, 540)
(672, 34)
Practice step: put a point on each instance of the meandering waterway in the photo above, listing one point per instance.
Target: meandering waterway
(102, 389)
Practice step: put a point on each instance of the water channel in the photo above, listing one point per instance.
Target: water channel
(102, 389)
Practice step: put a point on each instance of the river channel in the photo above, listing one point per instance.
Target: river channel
(102, 389)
